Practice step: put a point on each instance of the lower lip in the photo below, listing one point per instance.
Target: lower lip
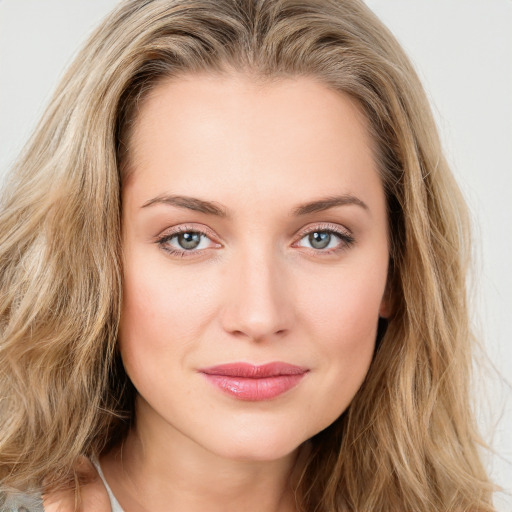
(255, 389)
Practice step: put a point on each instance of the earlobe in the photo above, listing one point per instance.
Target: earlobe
(385, 304)
(384, 310)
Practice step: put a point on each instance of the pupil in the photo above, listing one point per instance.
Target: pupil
(189, 240)
(319, 239)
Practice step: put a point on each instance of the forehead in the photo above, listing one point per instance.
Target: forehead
(201, 131)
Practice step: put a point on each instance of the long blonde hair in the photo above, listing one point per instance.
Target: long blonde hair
(408, 440)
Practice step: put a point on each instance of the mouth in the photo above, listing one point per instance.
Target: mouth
(249, 382)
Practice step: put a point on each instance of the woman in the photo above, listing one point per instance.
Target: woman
(233, 273)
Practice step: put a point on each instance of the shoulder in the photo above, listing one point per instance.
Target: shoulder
(93, 496)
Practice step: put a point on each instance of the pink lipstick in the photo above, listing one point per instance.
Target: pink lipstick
(250, 382)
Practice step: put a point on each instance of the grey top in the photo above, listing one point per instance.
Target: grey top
(14, 501)
(114, 504)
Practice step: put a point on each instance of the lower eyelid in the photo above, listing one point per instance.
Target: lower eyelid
(344, 236)
(345, 240)
(167, 239)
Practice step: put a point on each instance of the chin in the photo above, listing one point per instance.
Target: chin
(258, 452)
(257, 443)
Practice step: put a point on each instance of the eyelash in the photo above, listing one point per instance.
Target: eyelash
(163, 240)
(346, 239)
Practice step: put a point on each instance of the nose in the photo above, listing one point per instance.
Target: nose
(258, 297)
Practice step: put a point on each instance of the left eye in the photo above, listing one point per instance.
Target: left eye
(324, 239)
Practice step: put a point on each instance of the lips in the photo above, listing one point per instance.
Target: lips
(246, 381)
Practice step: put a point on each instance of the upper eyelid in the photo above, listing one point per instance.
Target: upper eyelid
(168, 233)
(341, 232)
(164, 238)
(326, 226)
(185, 228)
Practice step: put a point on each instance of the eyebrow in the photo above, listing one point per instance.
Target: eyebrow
(327, 203)
(190, 203)
(214, 208)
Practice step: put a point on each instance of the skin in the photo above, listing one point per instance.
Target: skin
(255, 290)
(93, 495)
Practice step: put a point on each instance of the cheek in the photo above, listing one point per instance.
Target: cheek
(343, 322)
(160, 303)
(156, 308)
(345, 306)
(349, 325)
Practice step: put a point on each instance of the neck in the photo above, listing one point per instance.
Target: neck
(158, 468)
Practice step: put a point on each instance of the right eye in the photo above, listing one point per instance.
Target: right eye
(184, 241)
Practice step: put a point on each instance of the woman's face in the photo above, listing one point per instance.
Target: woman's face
(255, 261)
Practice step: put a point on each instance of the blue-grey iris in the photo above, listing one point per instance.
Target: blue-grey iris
(319, 239)
(189, 240)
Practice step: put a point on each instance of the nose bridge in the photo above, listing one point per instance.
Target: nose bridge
(258, 303)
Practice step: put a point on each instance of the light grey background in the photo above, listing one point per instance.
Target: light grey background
(463, 52)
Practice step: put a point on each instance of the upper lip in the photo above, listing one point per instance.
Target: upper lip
(253, 371)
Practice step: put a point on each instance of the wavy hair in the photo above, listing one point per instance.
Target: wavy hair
(408, 440)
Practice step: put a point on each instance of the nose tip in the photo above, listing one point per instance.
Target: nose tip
(258, 305)
(255, 330)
